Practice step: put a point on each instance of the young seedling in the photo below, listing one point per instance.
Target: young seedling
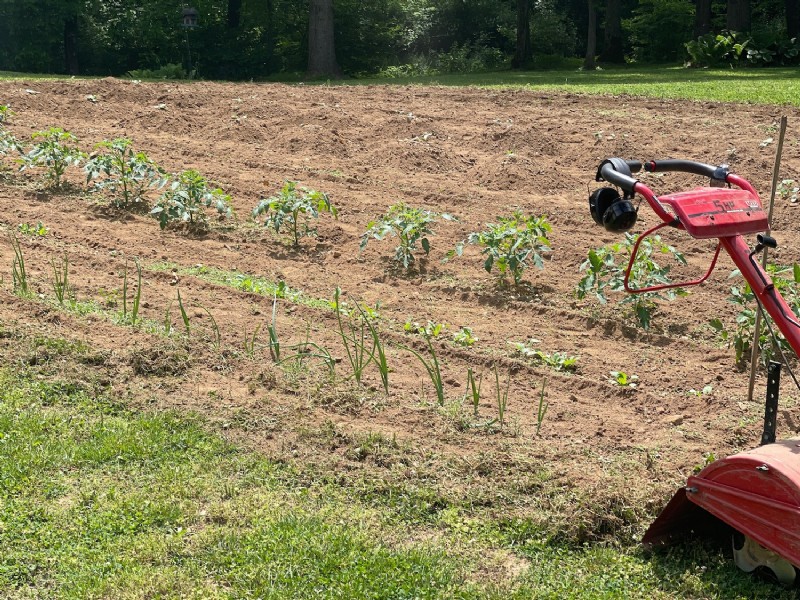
(127, 174)
(5, 113)
(272, 329)
(604, 273)
(250, 341)
(55, 150)
(292, 205)
(369, 316)
(19, 274)
(474, 390)
(61, 279)
(38, 230)
(511, 244)
(623, 379)
(354, 338)
(502, 396)
(186, 199)
(410, 225)
(429, 332)
(542, 408)
(463, 337)
(560, 361)
(184, 315)
(134, 312)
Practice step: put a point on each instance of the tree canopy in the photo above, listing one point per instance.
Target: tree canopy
(244, 39)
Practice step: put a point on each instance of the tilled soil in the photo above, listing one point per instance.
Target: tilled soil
(474, 153)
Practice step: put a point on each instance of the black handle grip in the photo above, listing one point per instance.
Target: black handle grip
(618, 172)
(687, 166)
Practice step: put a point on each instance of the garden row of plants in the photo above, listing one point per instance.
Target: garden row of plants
(509, 246)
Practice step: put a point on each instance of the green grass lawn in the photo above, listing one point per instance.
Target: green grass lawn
(760, 86)
(97, 501)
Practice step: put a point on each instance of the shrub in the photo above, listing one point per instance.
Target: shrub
(185, 201)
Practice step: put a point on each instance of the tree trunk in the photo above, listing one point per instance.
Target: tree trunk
(234, 13)
(738, 15)
(321, 48)
(792, 18)
(591, 38)
(523, 52)
(612, 48)
(71, 44)
(702, 18)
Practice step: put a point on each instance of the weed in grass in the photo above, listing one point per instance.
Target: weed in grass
(604, 273)
(431, 364)
(61, 279)
(55, 150)
(38, 230)
(542, 410)
(186, 199)
(293, 204)
(511, 244)
(127, 174)
(410, 225)
(19, 274)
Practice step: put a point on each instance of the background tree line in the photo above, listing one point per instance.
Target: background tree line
(243, 39)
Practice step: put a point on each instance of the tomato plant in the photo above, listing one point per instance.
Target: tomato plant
(125, 173)
(186, 198)
(410, 225)
(511, 244)
(55, 150)
(292, 205)
(605, 271)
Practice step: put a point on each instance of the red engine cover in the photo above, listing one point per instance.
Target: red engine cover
(718, 212)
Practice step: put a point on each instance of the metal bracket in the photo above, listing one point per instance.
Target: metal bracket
(771, 405)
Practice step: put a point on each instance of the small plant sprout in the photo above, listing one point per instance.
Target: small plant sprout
(19, 274)
(8, 144)
(131, 317)
(429, 332)
(604, 273)
(5, 113)
(184, 316)
(354, 338)
(560, 361)
(61, 279)
(512, 244)
(272, 329)
(706, 391)
(38, 230)
(502, 396)
(410, 225)
(127, 174)
(788, 189)
(293, 208)
(250, 341)
(623, 379)
(55, 150)
(186, 199)
(474, 390)
(542, 411)
(463, 337)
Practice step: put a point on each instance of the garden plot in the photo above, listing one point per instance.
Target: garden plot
(502, 391)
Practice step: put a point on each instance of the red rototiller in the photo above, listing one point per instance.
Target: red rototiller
(754, 495)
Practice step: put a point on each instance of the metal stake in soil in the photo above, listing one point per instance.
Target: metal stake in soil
(757, 333)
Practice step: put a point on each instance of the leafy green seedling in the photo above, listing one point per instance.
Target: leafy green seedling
(55, 150)
(5, 113)
(623, 379)
(706, 391)
(127, 174)
(292, 205)
(410, 225)
(463, 337)
(511, 244)
(789, 189)
(605, 271)
(560, 361)
(186, 199)
(38, 230)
